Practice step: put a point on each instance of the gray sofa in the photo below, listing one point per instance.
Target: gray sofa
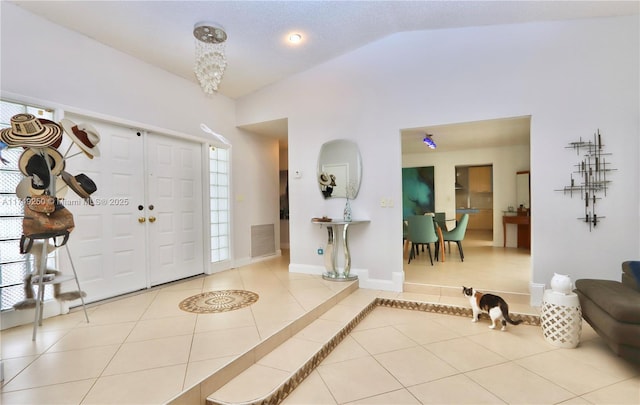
(612, 308)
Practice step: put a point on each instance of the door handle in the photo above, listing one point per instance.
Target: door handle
(152, 219)
(142, 219)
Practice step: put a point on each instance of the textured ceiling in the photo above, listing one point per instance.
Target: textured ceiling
(160, 33)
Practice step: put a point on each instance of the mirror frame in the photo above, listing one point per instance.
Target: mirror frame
(339, 158)
(523, 188)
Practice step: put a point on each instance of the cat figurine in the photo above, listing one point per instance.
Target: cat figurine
(495, 306)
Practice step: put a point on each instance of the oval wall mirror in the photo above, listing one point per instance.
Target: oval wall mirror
(339, 169)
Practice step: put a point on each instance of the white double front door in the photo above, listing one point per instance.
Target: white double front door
(146, 225)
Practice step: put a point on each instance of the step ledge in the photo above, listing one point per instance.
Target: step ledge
(447, 291)
(288, 386)
(198, 392)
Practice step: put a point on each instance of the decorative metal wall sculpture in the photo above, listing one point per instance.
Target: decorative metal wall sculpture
(592, 177)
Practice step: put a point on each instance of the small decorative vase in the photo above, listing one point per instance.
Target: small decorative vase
(561, 283)
(347, 211)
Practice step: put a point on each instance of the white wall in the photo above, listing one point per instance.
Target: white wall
(506, 162)
(572, 77)
(46, 64)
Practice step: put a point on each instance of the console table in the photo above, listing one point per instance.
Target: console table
(524, 229)
(333, 234)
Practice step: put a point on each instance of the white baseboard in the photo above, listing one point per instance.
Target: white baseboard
(12, 317)
(536, 291)
(306, 269)
(364, 281)
(395, 284)
(245, 261)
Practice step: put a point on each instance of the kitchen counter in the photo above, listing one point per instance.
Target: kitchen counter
(467, 210)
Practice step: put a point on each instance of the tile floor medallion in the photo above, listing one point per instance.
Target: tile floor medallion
(218, 301)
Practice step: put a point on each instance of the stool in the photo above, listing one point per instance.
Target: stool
(561, 319)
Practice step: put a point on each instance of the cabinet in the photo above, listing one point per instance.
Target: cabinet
(524, 229)
(479, 219)
(480, 179)
(483, 220)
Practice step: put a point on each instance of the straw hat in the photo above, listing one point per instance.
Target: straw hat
(327, 179)
(33, 163)
(28, 130)
(81, 184)
(25, 188)
(84, 135)
(56, 161)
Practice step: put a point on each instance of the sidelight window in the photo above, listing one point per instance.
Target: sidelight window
(219, 203)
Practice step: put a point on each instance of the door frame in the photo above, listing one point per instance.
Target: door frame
(150, 130)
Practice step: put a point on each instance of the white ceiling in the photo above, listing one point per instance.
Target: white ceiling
(469, 135)
(160, 32)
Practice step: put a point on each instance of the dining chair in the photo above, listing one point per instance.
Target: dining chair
(422, 231)
(405, 239)
(441, 220)
(457, 234)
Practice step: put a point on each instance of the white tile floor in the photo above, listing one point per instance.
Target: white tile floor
(143, 349)
(410, 357)
(398, 356)
(487, 267)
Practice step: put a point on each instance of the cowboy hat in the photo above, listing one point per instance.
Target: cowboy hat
(81, 184)
(28, 130)
(84, 135)
(25, 188)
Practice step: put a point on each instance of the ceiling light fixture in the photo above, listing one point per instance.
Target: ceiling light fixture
(429, 141)
(211, 61)
(295, 38)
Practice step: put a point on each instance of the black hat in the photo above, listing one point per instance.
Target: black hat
(37, 168)
(81, 184)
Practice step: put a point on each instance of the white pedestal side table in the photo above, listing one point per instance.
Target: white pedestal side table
(561, 319)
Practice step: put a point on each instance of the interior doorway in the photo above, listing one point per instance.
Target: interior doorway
(501, 147)
(474, 196)
(283, 164)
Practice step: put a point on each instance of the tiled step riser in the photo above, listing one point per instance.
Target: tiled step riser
(438, 290)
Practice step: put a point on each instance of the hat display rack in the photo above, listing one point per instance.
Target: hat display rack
(45, 178)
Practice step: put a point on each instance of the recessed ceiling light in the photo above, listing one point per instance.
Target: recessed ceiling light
(295, 38)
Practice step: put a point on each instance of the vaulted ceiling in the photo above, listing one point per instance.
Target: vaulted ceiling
(258, 53)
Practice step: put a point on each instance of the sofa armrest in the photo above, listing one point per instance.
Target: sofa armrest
(631, 274)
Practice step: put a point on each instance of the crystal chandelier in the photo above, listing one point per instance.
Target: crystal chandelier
(210, 58)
